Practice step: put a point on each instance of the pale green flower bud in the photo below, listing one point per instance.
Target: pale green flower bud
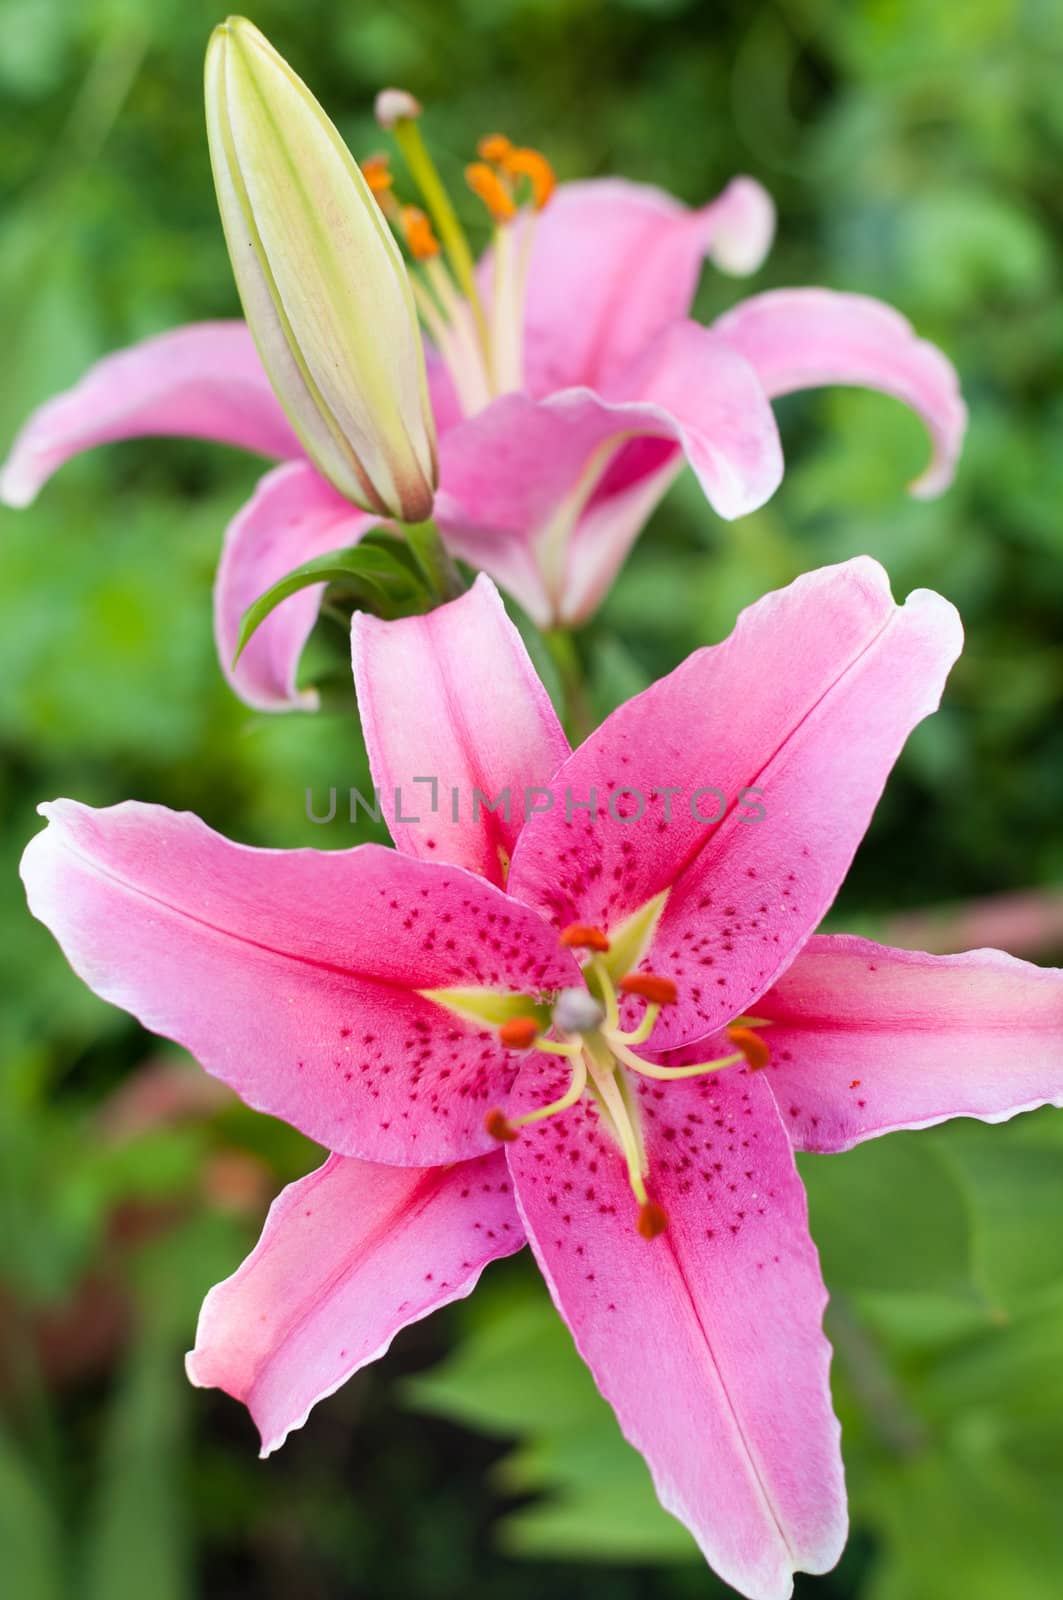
(323, 284)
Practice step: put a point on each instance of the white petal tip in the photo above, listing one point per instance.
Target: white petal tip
(743, 228)
(16, 490)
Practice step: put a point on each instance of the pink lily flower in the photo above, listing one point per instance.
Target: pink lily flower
(565, 983)
(600, 388)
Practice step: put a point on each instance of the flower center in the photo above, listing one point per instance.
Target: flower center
(481, 344)
(584, 1027)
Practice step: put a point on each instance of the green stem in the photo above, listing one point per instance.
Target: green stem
(878, 1391)
(579, 716)
(424, 173)
(432, 557)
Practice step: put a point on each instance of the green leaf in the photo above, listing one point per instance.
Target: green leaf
(966, 1526)
(30, 1536)
(517, 1373)
(379, 577)
(889, 1215)
(1015, 1192)
(136, 1542)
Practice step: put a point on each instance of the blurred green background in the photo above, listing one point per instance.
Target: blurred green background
(914, 148)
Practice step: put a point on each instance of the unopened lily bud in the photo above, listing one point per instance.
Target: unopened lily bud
(323, 284)
(396, 105)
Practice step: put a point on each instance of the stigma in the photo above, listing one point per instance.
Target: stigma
(585, 1028)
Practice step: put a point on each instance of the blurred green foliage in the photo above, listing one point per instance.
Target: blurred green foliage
(914, 150)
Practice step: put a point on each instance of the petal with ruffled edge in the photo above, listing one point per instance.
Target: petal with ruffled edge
(808, 702)
(613, 263)
(516, 479)
(456, 722)
(707, 1340)
(293, 516)
(804, 338)
(865, 1039)
(349, 1255)
(200, 382)
(295, 976)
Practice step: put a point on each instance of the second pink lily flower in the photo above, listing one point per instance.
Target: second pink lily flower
(545, 486)
(361, 995)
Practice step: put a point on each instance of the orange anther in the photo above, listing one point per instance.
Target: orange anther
(582, 936)
(751, 1045)
(499, 1127)
(653, 1219)
(519, 1033)
(376, 170)
(489, 187)
(418, 234)
(525, 163)
(649, 986)
(494, 147)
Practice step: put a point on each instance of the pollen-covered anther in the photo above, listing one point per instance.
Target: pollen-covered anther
(752, 1046)
(582, 936)
(653, 1219)
(521, 162)
(487, 186)
(417, 231)
(650, 986)
(519, 1033)
(499, 1127)
(494, 147)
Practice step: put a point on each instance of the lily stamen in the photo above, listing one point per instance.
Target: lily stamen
(522, 162)
(493, 190)
(484, 352)
(417, 230)
(650, 1069)
(499, 1126)
(640, 1034)
(583, 936)
(756, 1052)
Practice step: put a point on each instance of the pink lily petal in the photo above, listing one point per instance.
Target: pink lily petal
(204, 381)
(707, 1341)
(809, 701)
(865, 1039)
(516, 478)
(293, 516)
(451, 699)
(613, 263)
(349, 1255)
(803, 338)
(633, 485)
(295, 975)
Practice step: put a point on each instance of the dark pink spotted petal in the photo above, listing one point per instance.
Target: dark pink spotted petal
(348, 1257)
(809, 701)
(707, 1341)
(865, 1039)
(293, 975)
(452, 699)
